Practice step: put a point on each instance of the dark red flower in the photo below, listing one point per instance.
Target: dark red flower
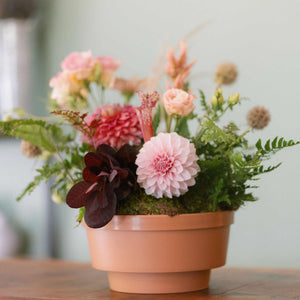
(109, 176)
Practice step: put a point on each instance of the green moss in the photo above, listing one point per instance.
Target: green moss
(141, 204)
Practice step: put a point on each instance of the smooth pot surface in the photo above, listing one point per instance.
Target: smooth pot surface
(159, 243)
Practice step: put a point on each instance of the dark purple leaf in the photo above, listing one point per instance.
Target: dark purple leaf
(123, 191)
(77, 195)
(88, 175)
(123, 173)
(108, 153)
(91, 159)
(127, 155)
(112, 175)
(105, 150)
(96, 200)
(95, 216)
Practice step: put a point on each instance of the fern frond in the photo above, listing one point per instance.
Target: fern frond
(44, 174)
(76, 119)
(274, 146)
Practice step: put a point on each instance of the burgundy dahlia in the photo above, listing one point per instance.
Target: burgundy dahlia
(109, 176)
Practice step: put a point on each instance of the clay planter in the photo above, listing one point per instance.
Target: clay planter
(155, 254)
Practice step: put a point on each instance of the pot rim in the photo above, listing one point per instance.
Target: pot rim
(192, 221)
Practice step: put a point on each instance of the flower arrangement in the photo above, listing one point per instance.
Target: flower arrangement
(126, 160)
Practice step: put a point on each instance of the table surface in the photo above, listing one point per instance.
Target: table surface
(55, 279)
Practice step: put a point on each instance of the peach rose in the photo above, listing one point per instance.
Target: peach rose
(178, 102)
(80, 64)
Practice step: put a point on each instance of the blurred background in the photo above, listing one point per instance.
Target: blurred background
(260, 37)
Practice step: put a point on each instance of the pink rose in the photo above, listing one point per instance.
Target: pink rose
(108, 63)
(109, 67)
(80, 64)
(178, 102)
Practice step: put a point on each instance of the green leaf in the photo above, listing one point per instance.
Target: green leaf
(203, 101)
(274, 142)
(33, 131)
(274, 146)
(183, 128)
(213, 133)
(80, 215)
(258, 144)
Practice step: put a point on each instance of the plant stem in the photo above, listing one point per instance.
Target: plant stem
(127, 97)
(177, 122)
(102, 100)
(59, 158)
(169, 122)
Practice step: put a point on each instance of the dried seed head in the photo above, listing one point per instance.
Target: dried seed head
(226, 73)
(258, 117)
(30, 150)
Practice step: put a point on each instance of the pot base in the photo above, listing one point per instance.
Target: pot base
(158, 283)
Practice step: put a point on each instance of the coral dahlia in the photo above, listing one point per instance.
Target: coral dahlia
(116, 125)
(167, 165)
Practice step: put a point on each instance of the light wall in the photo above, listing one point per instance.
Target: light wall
(260, 37)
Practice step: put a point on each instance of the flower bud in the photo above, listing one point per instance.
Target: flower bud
(217, 99)
(234, 99)
(30, 150)
(57, 198)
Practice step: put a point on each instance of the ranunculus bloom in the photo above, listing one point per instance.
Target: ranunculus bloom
(116, 125)
(79, 63)
(167, 165)
(178, 102)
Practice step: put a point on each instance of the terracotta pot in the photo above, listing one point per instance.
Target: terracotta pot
(155, 254)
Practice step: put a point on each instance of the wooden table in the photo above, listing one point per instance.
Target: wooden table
(54, 279)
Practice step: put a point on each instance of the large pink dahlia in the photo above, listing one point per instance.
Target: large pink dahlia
(167, 165)
(116, 125)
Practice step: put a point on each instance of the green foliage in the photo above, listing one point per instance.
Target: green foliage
(183, 128)
(203, 102)
(274, 146)
(80, 215)
(43, 135)
(44, 174)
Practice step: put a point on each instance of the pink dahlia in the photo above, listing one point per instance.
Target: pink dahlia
(116, 126)
(167, 165)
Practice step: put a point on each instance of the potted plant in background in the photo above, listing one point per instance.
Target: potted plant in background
(156, 200)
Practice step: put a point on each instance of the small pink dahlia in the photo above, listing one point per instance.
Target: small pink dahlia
(167, 165)
(116, 125)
